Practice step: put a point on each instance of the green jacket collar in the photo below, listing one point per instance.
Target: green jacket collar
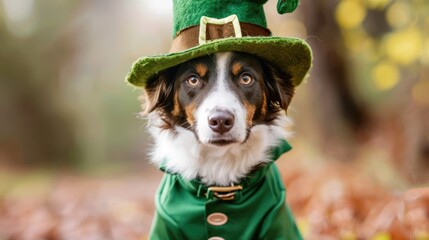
(250, 181)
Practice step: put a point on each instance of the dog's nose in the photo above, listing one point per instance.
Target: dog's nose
(221, 121)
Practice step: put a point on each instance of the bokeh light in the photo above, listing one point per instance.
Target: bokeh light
(405, 46)
(385, 75)
(350, 13)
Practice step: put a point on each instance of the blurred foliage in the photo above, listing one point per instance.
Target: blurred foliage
(366, 100)
(63, 99)
(388, 41)
(34, 127)
(387, 45)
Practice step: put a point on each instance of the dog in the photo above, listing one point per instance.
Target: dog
(215, 120)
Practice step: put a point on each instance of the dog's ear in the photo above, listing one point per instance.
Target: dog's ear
(279, 85)
(159, 92)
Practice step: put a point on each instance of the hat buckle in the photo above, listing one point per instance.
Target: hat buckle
(204, 21)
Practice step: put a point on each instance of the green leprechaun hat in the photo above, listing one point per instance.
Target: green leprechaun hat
(203, 27)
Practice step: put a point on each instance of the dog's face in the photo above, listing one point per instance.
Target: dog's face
(219, 97)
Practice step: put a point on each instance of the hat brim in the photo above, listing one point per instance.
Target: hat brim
(292, 55)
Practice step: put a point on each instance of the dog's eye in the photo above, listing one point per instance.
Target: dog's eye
(193, 81)
(246, 79)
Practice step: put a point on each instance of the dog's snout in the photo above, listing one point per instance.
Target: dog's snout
(221, 121)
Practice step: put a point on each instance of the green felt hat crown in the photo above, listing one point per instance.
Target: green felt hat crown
(203, 27)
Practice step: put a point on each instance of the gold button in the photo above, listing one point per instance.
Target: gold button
(217, 219)
(216, 238)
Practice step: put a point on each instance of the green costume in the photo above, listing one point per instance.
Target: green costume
(184, 210)
(188, 209)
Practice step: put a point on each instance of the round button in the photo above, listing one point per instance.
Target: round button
(217, 219)
(216, 238)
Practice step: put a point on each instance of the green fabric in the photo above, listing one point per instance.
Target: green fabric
(249, 11)
(286, 6)
(258, 212)
(292, 55)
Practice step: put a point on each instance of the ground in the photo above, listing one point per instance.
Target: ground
(330, 202)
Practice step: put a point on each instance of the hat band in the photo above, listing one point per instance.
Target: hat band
(190, 37)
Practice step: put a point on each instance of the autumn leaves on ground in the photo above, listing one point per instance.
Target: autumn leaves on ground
(329, 202)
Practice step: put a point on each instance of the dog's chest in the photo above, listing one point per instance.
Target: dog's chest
(258, 211)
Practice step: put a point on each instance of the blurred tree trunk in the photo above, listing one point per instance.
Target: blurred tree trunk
(340, 116)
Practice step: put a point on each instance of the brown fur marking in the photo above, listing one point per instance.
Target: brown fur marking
(250, 113)
(201, 69)
(236, 68)
(176, 109)
(190, 110)
(264, 107)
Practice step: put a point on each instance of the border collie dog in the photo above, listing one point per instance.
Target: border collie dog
(214, 117)
(216, 120)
